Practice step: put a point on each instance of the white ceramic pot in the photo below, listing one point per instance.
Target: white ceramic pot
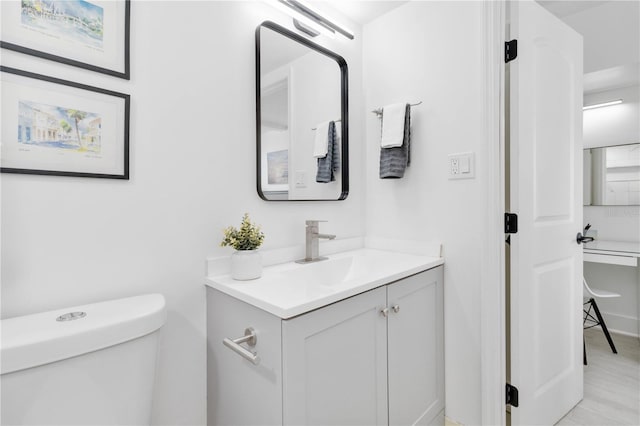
(246, 265)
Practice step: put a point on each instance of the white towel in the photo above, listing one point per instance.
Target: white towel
(393, 125)
(321, 142)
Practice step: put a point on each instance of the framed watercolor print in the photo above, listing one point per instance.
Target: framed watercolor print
(58, 127)
(88, 34)
(278, 167)
(275, 170)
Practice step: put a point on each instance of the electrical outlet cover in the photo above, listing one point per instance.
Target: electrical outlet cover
(462, 165)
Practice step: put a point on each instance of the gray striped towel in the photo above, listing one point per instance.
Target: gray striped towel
(394, 161)
(328, 165)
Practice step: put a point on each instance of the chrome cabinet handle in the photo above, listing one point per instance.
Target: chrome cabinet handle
(396, 308)
(384, 312)
(250, 338)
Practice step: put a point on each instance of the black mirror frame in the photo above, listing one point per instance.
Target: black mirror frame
(344, 104)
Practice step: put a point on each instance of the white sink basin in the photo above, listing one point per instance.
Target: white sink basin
(291, 289)
(326, 273)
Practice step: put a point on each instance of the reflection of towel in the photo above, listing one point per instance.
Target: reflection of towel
(394, 161)
(330, 164)
(393, 122)
(321, 142)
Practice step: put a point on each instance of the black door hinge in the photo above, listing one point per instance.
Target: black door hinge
(512, 395)
(510, 50)
(510, 223)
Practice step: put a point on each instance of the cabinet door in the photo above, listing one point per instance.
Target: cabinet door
(416, 352)
(335, 364)
(239, 392)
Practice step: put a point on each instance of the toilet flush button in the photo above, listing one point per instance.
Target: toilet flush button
(71, 316)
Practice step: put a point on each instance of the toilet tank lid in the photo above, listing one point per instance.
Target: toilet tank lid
(33, 340)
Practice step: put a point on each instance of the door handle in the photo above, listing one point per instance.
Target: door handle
(582, 239)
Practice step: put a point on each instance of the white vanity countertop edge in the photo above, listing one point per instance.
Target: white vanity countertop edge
(242, 289)
(616, 248)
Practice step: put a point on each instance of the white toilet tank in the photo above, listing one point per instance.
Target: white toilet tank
(65, 368)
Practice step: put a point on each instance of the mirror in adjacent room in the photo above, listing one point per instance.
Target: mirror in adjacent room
(612, 175)
(300, 87)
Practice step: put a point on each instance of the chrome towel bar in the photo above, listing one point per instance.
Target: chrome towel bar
(250, 337)
(378, 111)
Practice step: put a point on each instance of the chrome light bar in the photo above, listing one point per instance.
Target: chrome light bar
(316, 17)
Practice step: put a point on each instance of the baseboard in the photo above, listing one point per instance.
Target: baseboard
(621, 324)
(449, 422)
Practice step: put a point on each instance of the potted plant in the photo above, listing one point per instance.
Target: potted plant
(246, 261)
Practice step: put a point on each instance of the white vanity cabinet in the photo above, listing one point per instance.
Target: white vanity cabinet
(375, 358)
(335, 363)
(415, 338)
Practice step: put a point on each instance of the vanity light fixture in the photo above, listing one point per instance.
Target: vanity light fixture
(301, 22)
(306, 11)
(603, 104)
(305, 28)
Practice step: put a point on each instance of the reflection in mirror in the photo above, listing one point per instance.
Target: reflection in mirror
(612, 175)
(300, 87)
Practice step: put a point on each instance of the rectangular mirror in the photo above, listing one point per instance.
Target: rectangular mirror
(300, 87)
(612, 175)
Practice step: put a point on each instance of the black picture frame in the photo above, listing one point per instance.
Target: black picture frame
(125, 73)
(116, 107)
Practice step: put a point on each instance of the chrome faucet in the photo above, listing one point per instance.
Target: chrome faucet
(312, 247)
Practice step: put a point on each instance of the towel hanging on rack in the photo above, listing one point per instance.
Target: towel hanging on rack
(329, 165)
(395, 160)
(393, 121)
(321, 142)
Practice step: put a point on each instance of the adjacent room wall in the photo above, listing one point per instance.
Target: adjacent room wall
(615, 125)
(69, 241)
(432, 52)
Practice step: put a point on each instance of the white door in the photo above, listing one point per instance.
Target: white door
(335, 363)
(545, 129)
(416, 352)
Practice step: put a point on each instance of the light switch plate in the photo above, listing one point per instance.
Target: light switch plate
(301, 178)
(462, 165)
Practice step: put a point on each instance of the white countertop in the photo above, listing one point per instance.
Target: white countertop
(290, 289)
(620, 248)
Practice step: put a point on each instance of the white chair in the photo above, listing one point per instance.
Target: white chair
(590, 294)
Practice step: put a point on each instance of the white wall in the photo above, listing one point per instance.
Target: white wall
(68, 241)
(611, 34)
(431, 52)
(613, 125)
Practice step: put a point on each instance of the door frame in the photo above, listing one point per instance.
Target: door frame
(492, 277)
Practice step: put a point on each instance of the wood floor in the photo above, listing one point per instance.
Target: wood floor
(611, 383)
